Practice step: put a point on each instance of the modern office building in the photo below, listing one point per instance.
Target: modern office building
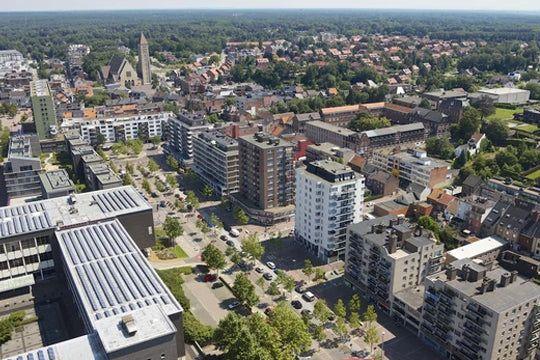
(215, 160)
(23, 166)
(120, 128)
(413, 166)
(387, 255)
(93, 242)
(481, 311)
(180, 133)
(43, 110)
(56, 183)
(329, 197)
(144, 61)
(266, 175)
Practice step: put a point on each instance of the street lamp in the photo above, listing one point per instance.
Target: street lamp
(382, 344)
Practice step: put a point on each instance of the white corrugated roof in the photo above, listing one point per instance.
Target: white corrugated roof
(477, 248)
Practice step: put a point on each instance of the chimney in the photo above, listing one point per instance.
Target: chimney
(451, 273)
(513, 276)
(484, 286)
(505, 279)
(418, 231)
(491, 284)
(392, 243)
(465, 272)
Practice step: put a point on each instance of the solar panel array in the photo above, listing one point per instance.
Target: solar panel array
(115, 200)
(114, 276)
(41, 354)
(24, 218)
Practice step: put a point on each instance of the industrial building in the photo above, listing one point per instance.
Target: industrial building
(92, 242)
(507, 95)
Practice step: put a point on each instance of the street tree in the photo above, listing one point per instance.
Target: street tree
(202, 226)
(173, 163)
(273, 289)
(253, 247)
(244, 290)
(172, 227)
(135, 145)
(496, 131)
(146, 186)
(308, 268)
(286, 281)
(213, 257)
(340, 309)
(127, 180)
(152, 166)
(354, 321)
(171, 180)
(318, 334)
(129, 168)
(192, 199)
(321, 311)
(207, 191)
(241, 216)
(318, 274)
(371, 336)
(355, 304)
(370, 315)
(292, 330)
(340, 328)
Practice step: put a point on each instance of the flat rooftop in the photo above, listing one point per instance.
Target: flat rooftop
(477, 248)
(40, 88)
(502, 298)
(219, 139)
(265, 141)
(56, 180)
(70, 210)
(86, 347)
(24, 146)
(390, 130)
(502, 91)
(112, 279)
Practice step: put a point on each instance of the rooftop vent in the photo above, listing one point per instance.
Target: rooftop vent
(128, 322)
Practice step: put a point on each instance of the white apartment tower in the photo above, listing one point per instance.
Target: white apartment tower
(329, 197)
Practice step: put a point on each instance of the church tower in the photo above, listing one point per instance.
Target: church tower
(144, 61)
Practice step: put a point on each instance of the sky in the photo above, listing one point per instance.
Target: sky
(64, 5)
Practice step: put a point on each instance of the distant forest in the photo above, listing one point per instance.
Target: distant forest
(187, 32)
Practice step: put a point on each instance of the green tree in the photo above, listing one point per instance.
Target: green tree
(155, 140)
(171, 180)
(253, 247)
(244, 290)
(286, 281)
(371, 336)
(425, 104)
(366, 121)
(466, 126)
(496, 131)
(340, 328)
(318, 274)
(354, 320)
(308, 268)
(321, 311)
(215, 221)
(427, 222)
(485, 105)
(172, 227)
(439, 147)
(207, 191)
(146, 186)
(173, 163)
(152, 166)
(213, 257)
(461, 160)
(127, 180)
(355, 304)
(136, 146)
(192, 199)
(340, 309)
(202, 226)
(318, 334)
(273, 289)
(129, 168)
(240, 216)
(292, 330)
(370, 315)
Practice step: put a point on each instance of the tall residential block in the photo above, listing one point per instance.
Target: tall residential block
(477, 310)
(266, 177)
(43, 109)
(329, 197)
(144, 61)
(23, 166)
(215, 160)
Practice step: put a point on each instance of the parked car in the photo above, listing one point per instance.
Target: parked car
(299, 289)
(307, 313)
(210, 277)
(230, 243)
(268, 311)
(259, 269)
(217, 285)
(296, 304)
(234, 232)
(271, 265)
(233, 305)
(224, 237)
(268, 276)
(308, 296)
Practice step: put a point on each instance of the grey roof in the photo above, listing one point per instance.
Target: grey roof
(308, 116)
(24, 146)
(74, 209)
(86, 347)
(116, 64)
(109, 272)
(222, 141)
(265, 141)
(502, 298)
(394, 129)
(430, 115)
(330, 127)
(56, 180)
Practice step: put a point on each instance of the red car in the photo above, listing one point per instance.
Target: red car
(210, 277)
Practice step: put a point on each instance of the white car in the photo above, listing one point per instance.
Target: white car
(271, 265)
(234, 233)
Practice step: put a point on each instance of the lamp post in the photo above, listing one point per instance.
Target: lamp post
(382, 344)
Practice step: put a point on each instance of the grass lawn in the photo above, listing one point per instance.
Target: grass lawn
(530, 128)
(179, 252)
(534, 175)
(504, 114)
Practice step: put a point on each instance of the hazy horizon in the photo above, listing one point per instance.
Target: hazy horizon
(77, 5)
